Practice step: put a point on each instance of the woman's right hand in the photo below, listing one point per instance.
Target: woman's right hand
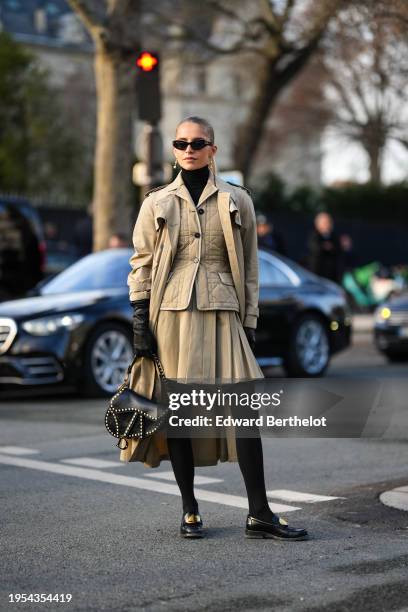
(144, 342)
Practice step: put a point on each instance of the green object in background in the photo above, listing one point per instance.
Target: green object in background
(358, 284)
(358, 294)
(364, 274)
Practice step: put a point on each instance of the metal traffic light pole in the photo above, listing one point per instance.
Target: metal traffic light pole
(153, 154)
(149, 111)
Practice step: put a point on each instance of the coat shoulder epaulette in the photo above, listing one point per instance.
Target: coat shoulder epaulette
(240, 186)
(156, 189)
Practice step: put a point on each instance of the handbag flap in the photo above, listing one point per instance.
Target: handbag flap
(128, 400)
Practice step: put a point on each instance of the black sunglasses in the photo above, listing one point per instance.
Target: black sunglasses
(196, 144)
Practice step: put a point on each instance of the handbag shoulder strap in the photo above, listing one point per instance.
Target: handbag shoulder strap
(158, 364)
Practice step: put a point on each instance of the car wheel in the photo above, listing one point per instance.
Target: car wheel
(309, 350)
(108, 354)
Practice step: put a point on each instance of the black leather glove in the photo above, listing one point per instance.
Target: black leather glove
(250, 334)
(144, 342)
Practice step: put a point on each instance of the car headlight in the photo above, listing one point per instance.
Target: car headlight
(382, 314)
(50, 325)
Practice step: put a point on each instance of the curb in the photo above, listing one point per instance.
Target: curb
(396, 498)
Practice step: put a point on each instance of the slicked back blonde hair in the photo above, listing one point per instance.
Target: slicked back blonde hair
(207, 127)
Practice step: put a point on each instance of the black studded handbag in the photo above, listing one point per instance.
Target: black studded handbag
(131, 415)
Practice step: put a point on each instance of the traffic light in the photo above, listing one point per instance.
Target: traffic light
(148, 87)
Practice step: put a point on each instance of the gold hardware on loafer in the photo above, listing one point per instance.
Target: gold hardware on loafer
(282, 521)
(192, 518)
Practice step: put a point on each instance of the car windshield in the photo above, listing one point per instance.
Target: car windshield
(297, 268)
(103, 270)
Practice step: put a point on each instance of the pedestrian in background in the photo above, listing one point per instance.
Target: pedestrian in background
(83, 233)
(349, 259)
(324, 249)
(268, 236)
(118, 241)
(195, 303)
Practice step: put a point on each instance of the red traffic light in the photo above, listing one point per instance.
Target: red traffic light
(147, 84)
(146, 61)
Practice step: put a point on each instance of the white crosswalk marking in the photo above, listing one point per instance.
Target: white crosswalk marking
(170, 476)
(18, 450)
(148, 484)
(297, 496)
(92, 462)
(396, 498)
(150, 480)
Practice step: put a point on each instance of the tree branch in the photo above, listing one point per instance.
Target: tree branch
(117, 29)
(270, 15)
(90, 13)
(188, 33)
(220, 8)
(393, 15)
(288, 10)
(402, 141)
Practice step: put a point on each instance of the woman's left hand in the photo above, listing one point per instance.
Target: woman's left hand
(250, 334)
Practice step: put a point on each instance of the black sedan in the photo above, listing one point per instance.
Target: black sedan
(78, 331)
(304, 319)
(391, 328)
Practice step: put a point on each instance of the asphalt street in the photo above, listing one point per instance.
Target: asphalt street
(76, 520)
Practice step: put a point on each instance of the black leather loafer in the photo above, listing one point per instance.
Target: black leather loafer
(191, 526)
(278, 529)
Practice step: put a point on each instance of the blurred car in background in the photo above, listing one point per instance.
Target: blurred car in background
(304, 319)
(78, 330)
(391, 328)
(61, 252)
(22, 247)
(59, 257)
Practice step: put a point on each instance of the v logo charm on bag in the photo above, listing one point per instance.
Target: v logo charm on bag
(131, 415)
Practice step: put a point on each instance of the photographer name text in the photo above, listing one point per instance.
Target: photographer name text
(260, 421)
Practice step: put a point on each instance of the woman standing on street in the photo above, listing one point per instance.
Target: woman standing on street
(194, 290)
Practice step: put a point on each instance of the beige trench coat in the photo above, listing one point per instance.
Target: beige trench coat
(155, 239)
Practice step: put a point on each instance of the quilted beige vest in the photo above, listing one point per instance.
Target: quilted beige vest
(201, 262)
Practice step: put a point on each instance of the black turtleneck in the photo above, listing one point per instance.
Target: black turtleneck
(195, 181)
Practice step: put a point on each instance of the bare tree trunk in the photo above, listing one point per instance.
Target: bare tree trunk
(270, 83)
(113, 152)
(115, 28)
(374, 155)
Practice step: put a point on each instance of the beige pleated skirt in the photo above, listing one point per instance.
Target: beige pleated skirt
(198, 345)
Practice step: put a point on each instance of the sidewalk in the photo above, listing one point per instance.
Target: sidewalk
(363, 323)
(395, 498)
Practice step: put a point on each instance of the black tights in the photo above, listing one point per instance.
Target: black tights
(182, 461)
(250, 460)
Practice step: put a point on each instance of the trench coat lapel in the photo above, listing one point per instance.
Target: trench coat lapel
(208, 190)
(181, 191)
